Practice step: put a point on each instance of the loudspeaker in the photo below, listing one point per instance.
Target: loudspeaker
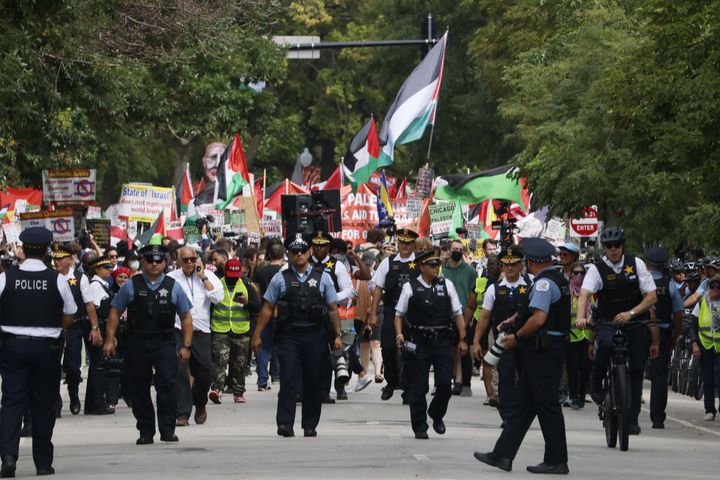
(308, 213)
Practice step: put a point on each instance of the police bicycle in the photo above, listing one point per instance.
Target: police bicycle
(685, 377)
(614, 410)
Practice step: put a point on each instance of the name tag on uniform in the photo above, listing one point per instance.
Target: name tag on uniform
(440, 291)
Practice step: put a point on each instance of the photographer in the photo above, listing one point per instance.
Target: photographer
(431, 313)
(502, 301)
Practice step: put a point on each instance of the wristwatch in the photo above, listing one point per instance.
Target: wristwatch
(187, 347)
(632, 313)
(94, 327)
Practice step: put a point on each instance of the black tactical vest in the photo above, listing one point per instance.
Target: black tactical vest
(620, 291)
(558, 318)
(74, 283)
(430, 307)
(305, 303)
(328, 267)
(103, 311)
(508, 303)
(663, 307)
(31, 299)
(151, 312)
(399, 273)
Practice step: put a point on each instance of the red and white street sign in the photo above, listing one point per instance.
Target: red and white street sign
(587, 225)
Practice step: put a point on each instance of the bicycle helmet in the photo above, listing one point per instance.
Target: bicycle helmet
(712, 261)
(692, 276)
(676, 266)
(689, 266)
(612, 234)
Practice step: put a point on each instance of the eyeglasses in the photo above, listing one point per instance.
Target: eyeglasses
(578, 273)
(155, 261)
(612, 245)
(188, 259)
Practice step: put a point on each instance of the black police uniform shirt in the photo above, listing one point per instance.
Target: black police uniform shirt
(69, 305)
(407, 292)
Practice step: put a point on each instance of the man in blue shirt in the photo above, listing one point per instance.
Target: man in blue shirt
(668, 312)
(305, 298)
(152, 300)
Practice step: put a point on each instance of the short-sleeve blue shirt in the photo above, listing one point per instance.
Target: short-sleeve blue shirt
(126, 295)
(677, 300)
(543, 293)
(276, 288)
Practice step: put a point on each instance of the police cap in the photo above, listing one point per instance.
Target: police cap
(102, 261)
(36, 236)
(62, 250)
(657, 255)
(321, 238)
(538, 250)
(297, 242)
(511, 255)
(428, 257)
(406, 235)
(153, 252)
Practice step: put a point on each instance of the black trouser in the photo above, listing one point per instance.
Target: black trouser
(30, 369)
(200, 366)
(466, 361)
(710, 367)
(72, 357)
(299, 354)
(578, 365)
(142, 355)
(439, 355)
(659, 368)
(637, 356)
(509, 368)
(536, 395)
(391, 362)
(96, 381)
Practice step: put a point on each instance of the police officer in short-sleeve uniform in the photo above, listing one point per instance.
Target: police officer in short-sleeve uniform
(304, 296)
(152, 300)
(35, 305)
(542, 337)
(429, 315)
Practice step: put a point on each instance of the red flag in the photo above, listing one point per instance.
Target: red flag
(259, 200)
(400, 193)
(335, 180)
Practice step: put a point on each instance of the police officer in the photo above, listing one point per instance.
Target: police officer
(305, 297)
(502, 301)
(429, 315)
(389, 278)
(35, 305)
(541, 334)
(340, 277)
(152, 300)
(668, 312)
(625, 291)
(85, 325)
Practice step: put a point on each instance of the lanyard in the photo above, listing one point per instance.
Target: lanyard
(191, 286)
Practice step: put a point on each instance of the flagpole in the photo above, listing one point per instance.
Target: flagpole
(432, 127)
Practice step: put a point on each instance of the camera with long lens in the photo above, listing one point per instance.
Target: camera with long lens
(204, 221)
(113, 367)
(342, 375)
(492, 357)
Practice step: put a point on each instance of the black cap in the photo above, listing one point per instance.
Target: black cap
(537, 249)
(153, 252)
(511, 255)
(657, 255)
(428, 257)
(102, 261)
(36, 236)
(62, 250)
(299, 241)
(321, 238)
(406, 235)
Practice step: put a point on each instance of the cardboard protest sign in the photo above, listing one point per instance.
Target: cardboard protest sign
(59, 222)
(143, 203)
(69, 186)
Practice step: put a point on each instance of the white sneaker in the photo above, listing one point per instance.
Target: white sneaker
(709, 417)
(362, 383)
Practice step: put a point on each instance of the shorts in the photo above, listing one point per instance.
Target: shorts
(363, 332)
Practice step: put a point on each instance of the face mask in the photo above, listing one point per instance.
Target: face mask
(133, 264)
(456, 256)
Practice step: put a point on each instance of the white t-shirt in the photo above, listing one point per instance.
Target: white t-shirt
(593, 281)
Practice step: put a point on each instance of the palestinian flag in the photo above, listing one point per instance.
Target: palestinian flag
(496, 183)
(361, 159)
(183, 192)
(10, 195)
(415, 103)
(232, 174)
(154, 234)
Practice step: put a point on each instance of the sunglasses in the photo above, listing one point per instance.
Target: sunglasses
(112, 256)
(155, 261)
(612, 245)
(297, 251)
(188, 259)
(578, 273)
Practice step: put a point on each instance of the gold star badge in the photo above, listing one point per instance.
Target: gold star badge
(330, 265)
(72, 281)
(522, 290)
(629, 270)
(411, 265)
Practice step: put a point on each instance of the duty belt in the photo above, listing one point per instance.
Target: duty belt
(430, 335)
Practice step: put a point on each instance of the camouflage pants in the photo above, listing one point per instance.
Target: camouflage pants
(232, 350)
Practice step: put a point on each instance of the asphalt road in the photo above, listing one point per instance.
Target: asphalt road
(364, 438)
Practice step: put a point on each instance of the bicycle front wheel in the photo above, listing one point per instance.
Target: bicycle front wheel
(621, 381)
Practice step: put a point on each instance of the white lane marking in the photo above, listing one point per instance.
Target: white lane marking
(689, 424)
(420, 456)
(373, 422)
(357, 407)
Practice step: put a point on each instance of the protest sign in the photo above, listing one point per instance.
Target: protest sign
(143, 203)
(100, 229)
(69, 186)
(59, 222)
(272, 228)
(12, 232)
(441, 218)
(423, 188)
